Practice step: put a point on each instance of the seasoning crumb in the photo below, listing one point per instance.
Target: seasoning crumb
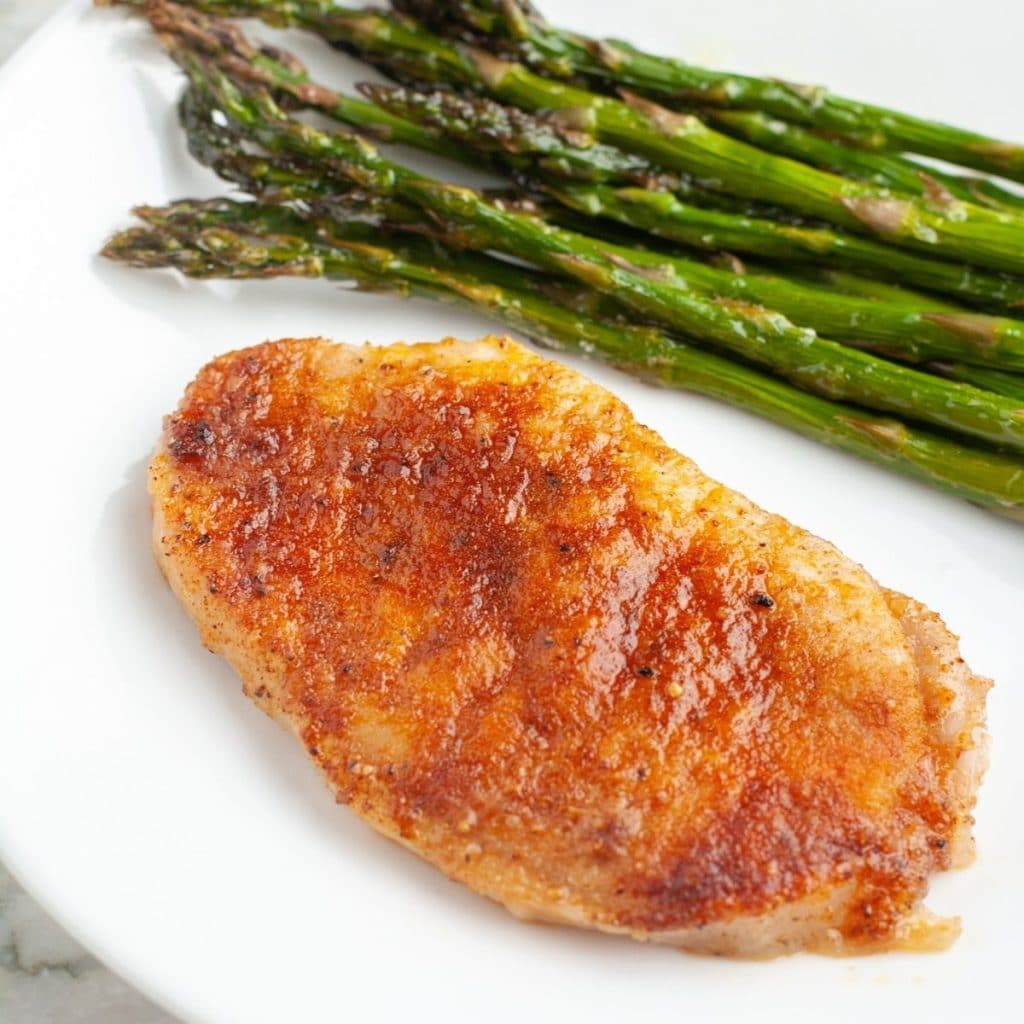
(675, 691)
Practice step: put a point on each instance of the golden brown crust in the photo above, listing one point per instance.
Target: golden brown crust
(521, 635)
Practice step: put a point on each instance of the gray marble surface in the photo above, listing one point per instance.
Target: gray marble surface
(48, 978)
(45, 976)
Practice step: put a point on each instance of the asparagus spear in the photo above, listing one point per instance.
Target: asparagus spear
(762, 336)
(897, 325)
(522, 141)
(665, 216)
(245, 240)
(513, 139)
(676, 141)
(537, 146)
(890, 327)
(670, 212)
(890, 170)
(613, 64)
(283, 178)
(1009, 384)
(864, 287)
(531, 145)
(279, 179)
(286, 76)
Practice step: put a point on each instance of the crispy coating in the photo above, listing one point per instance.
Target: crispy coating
(521, 635)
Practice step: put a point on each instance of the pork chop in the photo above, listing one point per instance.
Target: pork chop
(521, 635)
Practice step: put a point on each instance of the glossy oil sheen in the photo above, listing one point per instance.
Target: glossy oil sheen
(517, 630)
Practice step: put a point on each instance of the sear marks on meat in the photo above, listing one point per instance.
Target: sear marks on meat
(519, 634)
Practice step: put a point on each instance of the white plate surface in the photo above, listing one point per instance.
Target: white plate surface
(182, 835)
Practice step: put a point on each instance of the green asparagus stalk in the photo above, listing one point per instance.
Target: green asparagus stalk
(506, 136)
(532, 145)
(287, 179)
(670, 212)
(284, 75)
(895, 328)
(864, 287)
(460, 127)
(1009, 384)
(956, 231)
(894, 323)
(476, 122)
(665, 216)
(273, 179)
(898, 328)
(613, 64)
(892, 326)
(754, 333)
(524, 142)
(240, 246)
(280, 179)
(890, 170)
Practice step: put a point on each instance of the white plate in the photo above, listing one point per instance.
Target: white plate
(183, 836)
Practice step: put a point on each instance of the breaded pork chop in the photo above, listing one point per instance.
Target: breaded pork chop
(525, 638)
